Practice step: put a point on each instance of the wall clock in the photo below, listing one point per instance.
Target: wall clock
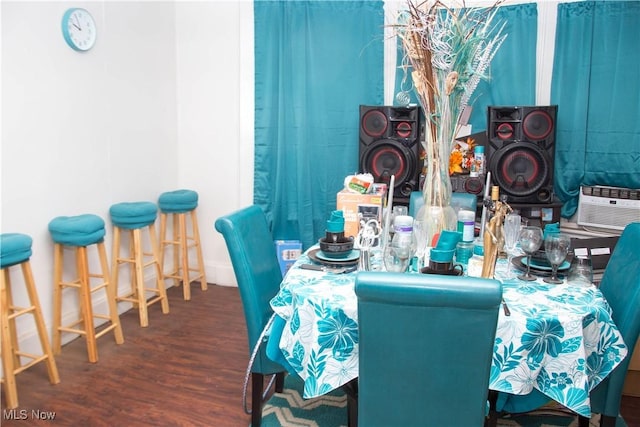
(79, 29)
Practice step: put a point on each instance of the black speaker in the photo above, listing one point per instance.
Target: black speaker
(468, 184)
(520, 151)
(390, 145)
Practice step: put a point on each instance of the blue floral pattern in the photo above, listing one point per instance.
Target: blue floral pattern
(559, 339)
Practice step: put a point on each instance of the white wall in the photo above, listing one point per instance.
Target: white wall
(215, 116)
(163, 101)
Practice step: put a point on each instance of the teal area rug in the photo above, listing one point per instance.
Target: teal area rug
(289, 409)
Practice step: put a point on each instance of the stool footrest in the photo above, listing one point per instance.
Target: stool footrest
(34, 360)
(154, 300)
(98, 287)
(179, 276)
(19, 311)
(132, 298)
(74, 284)
(132, 261)
(106, 330)
(72, 330)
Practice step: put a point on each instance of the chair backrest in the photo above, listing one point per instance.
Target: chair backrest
(620, 285)
(255, 264)
(425, 348)
(459, 201)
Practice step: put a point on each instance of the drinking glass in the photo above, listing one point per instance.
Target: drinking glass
(581, 272)
(511, 228)
(420, 236)
(530, 241)
(397, 258)
(556, 247)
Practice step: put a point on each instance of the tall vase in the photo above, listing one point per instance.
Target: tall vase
(437, 211)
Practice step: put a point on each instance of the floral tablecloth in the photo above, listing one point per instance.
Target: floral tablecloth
(559, 339)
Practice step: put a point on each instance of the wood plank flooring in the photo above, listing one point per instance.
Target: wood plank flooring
(185, 369)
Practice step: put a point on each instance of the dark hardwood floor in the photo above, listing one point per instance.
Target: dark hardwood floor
(185, 369)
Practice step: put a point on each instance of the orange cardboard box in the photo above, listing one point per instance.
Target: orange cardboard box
(370, 204)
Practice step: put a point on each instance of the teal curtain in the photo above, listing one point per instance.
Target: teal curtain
(596, 86)
(512, 74)
(315, 63)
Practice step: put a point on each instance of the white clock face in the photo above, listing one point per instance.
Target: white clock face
(79, 29)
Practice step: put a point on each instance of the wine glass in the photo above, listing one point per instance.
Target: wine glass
(556, 247)
(511, 229)
(530, 241)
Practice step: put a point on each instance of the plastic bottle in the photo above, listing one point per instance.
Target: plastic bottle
(398, 253)
(466, 224)
(403, 232)
(474, 266)
(464, 251)
(478, 155)
(464, 248)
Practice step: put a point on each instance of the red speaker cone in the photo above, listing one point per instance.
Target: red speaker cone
(388, 161)
(374, 123)
(537, 125)
(504, 131)
(403, 130)
(520, 170)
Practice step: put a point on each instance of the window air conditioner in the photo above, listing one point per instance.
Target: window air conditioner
(608, 207)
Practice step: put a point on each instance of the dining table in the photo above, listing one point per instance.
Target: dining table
(558, 339)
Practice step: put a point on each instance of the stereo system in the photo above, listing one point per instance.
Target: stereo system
(390, 145)
(468, 184)
(520, 151)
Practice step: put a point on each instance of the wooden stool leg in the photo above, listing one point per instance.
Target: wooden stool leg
(11, 324)
(184, 255)
(162, 291)
(115, 263)
(134, 277)
(111, 294)
(54, 377)
(175, 230)
(58, 259)
(163, 239)
(85, 303)
(8, 368)
(139, 278)
(196, 240)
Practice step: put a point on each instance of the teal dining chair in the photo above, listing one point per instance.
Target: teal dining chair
(255, 265)
(620, 286)
(425, 348)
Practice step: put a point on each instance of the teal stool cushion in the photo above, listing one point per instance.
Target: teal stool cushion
(178, 201)
(15, 248)
(80, 230)
(132, 215)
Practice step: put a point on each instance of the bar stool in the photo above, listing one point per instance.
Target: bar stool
(177, 205)
(15, 249)
(79, 233)
(133, 218)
